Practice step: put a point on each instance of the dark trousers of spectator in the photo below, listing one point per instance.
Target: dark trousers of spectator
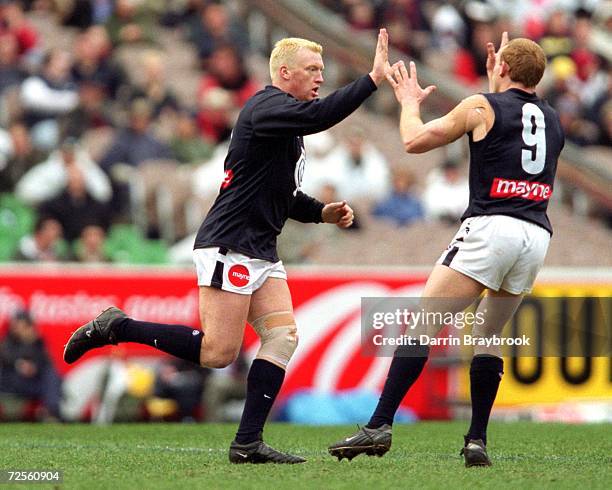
(186, 389)
(46, 388)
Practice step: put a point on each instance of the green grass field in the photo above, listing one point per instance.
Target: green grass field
(424, 455)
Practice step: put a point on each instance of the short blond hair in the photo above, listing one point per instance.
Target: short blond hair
(285, 50)
(526, 61)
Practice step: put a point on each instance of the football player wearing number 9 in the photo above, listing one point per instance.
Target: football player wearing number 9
(515, 139)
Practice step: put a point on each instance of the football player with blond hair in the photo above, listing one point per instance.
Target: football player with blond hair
(239, 272)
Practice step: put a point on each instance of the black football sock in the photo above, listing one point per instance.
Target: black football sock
(180, 341)
(408, 363)
(485, 375)
(263, 384)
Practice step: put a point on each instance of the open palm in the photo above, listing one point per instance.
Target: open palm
(406, 87)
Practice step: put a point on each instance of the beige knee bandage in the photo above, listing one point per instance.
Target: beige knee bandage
(279, 338)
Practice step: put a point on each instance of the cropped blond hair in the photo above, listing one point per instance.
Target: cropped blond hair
(285, 50)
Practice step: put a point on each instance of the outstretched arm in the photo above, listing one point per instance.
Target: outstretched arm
(282, 115)
(418, 137)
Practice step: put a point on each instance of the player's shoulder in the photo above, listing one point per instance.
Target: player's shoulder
(269, 96)
(476, 103)
(476, 100)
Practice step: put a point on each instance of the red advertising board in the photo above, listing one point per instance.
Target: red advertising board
(327, 309)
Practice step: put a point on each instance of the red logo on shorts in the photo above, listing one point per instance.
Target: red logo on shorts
(227, 178)
(239, 275)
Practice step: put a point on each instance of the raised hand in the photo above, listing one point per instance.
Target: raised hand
(491, 54)
(381, 59)
(406, 87)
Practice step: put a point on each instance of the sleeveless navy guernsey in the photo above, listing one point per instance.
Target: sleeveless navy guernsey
(512, 170)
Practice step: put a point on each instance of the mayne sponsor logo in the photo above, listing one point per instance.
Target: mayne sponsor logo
(534, 191)
(239, 275)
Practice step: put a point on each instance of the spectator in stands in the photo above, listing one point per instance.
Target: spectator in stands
(576, 128)
(75, 209)
(13, 20)
(187, 144)
(153, 87)
(446, 193)
(561, 69)
(47, 96)
(590, 82)
(406, 24)
(596, 111)
(361, 15)
(557, 39)
(401, 207)
(11, 74)
(226, 387)
(90, 246)
(583, 26)
(44, 245)
(93, 62)
(135, 143)
(215, 27)
(405, 11)
(222, 93)
(448, 30)
(50, 178)
(182, 382)
(321, 168)
(299, 243)
(93, 111)
(605, 138)
(405, 39)
(403, 18)
(17, 155)
(363, 169)
(84, 13)
(130, 23)
(470, 62)
(25, 368)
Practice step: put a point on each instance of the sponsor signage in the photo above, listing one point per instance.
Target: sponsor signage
(327, 310)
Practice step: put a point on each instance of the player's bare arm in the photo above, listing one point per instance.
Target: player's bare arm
(381, 63)
(473, 114)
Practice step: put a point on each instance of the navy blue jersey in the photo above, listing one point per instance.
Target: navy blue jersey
(264, 168)
(512, 170)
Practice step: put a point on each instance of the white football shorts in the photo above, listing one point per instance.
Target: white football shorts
(500, 252)
(232, 271)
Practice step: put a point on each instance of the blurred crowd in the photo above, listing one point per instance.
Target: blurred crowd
(103, 156)
(452, 36)
(87, 139)
(99, 156)
(117, 388)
